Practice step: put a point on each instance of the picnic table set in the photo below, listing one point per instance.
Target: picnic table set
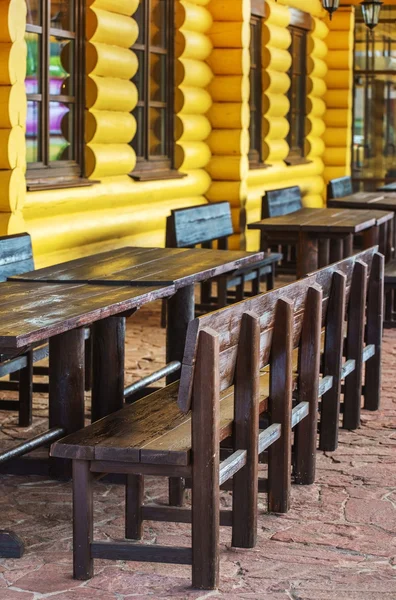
(250, 377)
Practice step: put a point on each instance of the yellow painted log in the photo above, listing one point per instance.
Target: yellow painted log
(316, 87)
(339, 80)
(13, 106)
(230, 61)
(192, 101)
(337, 41)
(229, 168)
(103, 160)
(279, 175)
(276, 128)
(340, 60)
(12, 190)
(192, 17)
(314, 146)
(276, 59)
(316, 107)
(335, 172)
(110, 28)
(192, 128)
(191, 155)
(109, 127)
(336, 156)
(11, 223)
(12, 62)
(106, 93)
(192, 44)
(313, 201)
(342, 20)
(229, 88)
(275, 105)
(315, 126)
(224, 34)
(337, 117)
(118, 191)
(12, 148)
(229, 115)
(224, 10)
(232, 142)
(316, 67)
(336, 136)
(316, 47)
(277, 14)
(122, 7)
(338, 98)
(320, 29)
(274, 82)
(278, 37)
(12, 20)
(234, 192)
(110, 61)
(275, 150)
(192, 73)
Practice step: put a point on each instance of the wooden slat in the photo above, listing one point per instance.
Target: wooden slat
(232, 465)
(368, 352)
(268, 436)
(177, 514)
(347, 368)
(198, 224)
(299, 413)
(142, 553)
(325, 384)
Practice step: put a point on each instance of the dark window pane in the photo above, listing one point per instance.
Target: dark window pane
(62, 15)
(157, 132)
(139, 18)
(297, 91)
(61, 66)
(33, 142)
(33, 15)
(158, 25)
(33, 83)
(58, 116)
(158, 75)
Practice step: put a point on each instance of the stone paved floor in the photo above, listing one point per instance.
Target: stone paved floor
(337, 543)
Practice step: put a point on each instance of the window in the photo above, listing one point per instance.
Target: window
(297, 92)
(55, 93)
(255, 129)
(153, 142)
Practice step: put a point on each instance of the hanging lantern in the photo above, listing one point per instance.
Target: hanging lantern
(371, 11)
(331, 6)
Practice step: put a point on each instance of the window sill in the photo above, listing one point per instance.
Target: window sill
(37, 186)
(161, 174)
(293, 161)
(254, 166)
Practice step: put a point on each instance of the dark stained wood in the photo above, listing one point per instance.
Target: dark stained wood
(134, 493)
(323, 253)
(370, 237)
(11, 546)
(246, 419)
(299, 18)
(82, 520)
(372, 383)
(332, 362)
(258, 8)
(108, 362)
(307, 255)
(336, 249)
(305, 437)
(337, 188)
(280, 408)
(354, 346)
(205, 468)
(141, 553)
(348, 246)
(26, 391)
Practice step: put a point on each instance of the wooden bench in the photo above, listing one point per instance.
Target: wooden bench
(210, 224)
(340, 187)
(276, 203)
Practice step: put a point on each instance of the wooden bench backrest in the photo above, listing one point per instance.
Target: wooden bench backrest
(188, 227)
(16, 255)
(335, 279)
(338, 188)
(281, 202)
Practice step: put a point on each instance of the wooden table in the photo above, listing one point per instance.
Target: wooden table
(312, 230)
(55, 303)
(374, 200)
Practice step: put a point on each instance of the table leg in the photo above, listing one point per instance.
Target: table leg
(180, 313)
(348, 246)
(324, 253)
(307, 254)
(108, 359)
(66, 388)
(370, 237)
(336, 249)
(390, 241)
(382, 237)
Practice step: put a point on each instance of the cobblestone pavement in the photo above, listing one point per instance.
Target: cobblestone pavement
(336, 543)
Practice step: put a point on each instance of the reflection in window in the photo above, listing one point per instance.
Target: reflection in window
(153, 142)
(297, 91)
(54, 130)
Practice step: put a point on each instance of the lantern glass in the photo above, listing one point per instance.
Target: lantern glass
(371, 12)
(331, 6)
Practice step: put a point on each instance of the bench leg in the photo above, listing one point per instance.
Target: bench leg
(176, 491)
(88, 364)
(280, 408)
(372, 384)
(134, 492)
(82, 520)
(270, 279)
(309, 365)
(26, 392)
(221, 292)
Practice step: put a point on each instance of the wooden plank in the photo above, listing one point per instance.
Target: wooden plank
(368, 352)
(197, 224)
(175, 514)
(337, 188)
(299, 413)
(116, 550)
(268, 436)
(375, 304)
(82, 520)
(281, 202)
(134, 494)
(231, 465)
(347, 368)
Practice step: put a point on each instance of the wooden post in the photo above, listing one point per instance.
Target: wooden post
(205, 464)
(82, 520)
(134, 492)
(336, 249)
(280, 407)
(324, 253)
(307, 254)
(354, 346)
(305, 437)
(332, 363)
(246, 424)
(26, 391)
(108, 358)
(375, 302)
(370, 237)
(348, 246)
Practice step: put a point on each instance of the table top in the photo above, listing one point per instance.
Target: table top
(369, 200)
(324, 220)
(46, 302)
(145, 266)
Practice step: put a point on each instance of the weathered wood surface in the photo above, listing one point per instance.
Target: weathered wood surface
(16, 255)
(199, 224)
(365, 200)
(337, 188)
(281, 202)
